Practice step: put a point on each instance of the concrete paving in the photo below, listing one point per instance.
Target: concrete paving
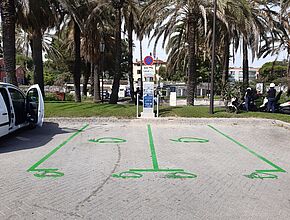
(147, 169)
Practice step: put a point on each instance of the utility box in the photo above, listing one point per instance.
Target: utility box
(172, 99)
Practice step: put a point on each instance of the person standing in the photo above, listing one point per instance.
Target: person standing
(248, 98)
(271, 98)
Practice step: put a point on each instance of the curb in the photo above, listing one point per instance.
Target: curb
(176, 120)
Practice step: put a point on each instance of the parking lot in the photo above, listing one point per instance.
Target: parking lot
(147, 169)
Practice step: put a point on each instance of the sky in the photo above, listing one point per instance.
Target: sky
(160, 54)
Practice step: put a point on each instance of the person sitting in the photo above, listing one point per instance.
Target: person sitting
(271, 96)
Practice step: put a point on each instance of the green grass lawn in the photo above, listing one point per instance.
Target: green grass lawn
(88, 109)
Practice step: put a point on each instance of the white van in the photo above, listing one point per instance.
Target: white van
(18, 109)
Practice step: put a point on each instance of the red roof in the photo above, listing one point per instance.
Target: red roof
(157, 61)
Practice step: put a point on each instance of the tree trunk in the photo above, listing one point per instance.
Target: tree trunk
(226, 59)
(245, 65)
(191, 82)
(86, 79)
(7, 9)
(130, 57)
(37, 59)
(77, 64)
(116, 83)
(97, 97)
(92, 81)
(141, 70)
(288, 76)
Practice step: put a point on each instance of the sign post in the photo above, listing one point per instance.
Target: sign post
(148, 88)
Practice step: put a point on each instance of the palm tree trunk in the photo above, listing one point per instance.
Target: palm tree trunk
(288, 75)
(226, 62)
(37, 59)
(130, 58)
(77, 64)
(97, 97)
(86, 79)
(191, 82)
(245, 65)
(92, 80)
(117, 76)
(7, 8)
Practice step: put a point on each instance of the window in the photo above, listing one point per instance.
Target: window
(32, 95)
(18, 101)
(138, 71)
(16, 95)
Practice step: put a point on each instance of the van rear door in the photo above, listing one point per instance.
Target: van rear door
(4, 117)
(35, 106)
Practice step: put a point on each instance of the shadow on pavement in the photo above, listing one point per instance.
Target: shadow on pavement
(31, 138)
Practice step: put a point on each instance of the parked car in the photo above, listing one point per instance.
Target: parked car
(18, 109)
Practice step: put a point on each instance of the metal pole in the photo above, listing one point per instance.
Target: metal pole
(102, 50)
(137, 105)
(102, 81)
(211, 109)
(157, 106)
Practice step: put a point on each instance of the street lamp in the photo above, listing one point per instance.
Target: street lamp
(211, 108)
(102, 50)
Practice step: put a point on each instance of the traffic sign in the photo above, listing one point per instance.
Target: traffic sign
(148, 71)
(148, 60)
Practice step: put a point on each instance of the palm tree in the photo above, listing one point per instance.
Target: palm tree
(35, 17)
(131, 12)
(284, 18)
(278, 33)
(164, 15)
(116, 82)
(77, 62)
(7, 9)
(244, 21)
(89, 17)
(98, 31)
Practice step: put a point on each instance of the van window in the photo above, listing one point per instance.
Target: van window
(18, 102)
(7, 102)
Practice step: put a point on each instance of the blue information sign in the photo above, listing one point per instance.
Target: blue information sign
(148, 101)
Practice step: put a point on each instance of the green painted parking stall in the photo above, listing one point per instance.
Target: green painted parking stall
(52, 172)
(257, 174)
(171, 172)
(167, 172)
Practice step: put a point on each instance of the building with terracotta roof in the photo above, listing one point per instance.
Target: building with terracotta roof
(137, 69)
(20, 73)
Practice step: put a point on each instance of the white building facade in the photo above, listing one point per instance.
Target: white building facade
(137, 70)
(236, 74)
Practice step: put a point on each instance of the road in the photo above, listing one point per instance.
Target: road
(147, 169)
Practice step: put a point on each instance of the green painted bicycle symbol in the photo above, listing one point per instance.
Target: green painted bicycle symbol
(171, 173)
(107, 140)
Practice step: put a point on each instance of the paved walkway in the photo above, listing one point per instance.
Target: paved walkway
(147, 169)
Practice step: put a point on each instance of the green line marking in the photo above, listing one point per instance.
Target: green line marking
(258, 174)
(52, 172)
(108, 140)
(152, 148)
(172, 173)
(190, 140)
(159, 170)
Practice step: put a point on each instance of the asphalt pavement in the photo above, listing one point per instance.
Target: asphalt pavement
(147, 169)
